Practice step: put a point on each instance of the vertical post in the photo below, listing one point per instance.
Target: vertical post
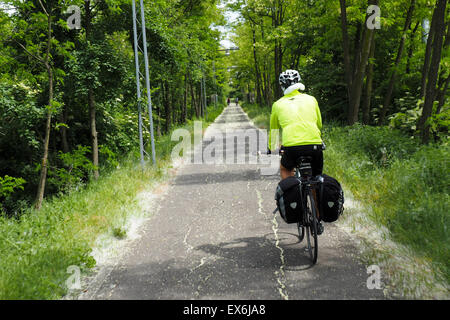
(147, 80)
(204, 96)
(136, 60)
(215, 85)
(202, 106)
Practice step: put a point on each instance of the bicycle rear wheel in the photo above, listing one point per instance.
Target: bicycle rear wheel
(311, 228)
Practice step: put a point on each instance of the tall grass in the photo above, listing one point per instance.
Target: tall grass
(259, 116)
(37, 247)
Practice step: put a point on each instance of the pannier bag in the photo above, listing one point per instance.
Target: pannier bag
(332, 199)
(288, 200)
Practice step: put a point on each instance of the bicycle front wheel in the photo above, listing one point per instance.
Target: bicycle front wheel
(311, 229)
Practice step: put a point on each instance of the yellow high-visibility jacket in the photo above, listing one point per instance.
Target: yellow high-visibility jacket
(298, 115)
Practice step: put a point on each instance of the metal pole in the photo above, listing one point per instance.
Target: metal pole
(136, 60)
(202, 113)
(147, 80)
(215, 85)
(204, 96)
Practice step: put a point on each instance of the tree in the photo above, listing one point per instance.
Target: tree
(360, 71)
(44, 21)
(430, 92)
(387, 99)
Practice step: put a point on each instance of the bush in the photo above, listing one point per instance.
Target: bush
(381, 145)
(75, 171)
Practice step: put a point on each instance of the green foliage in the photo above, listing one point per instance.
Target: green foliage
(381, 146)
(183, 48)
(8, 185)
(406, 120)
(110, 158)
(76, 167)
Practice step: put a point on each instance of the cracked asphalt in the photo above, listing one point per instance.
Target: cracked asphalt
(214, 237)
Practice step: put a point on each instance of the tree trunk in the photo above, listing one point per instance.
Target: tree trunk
(194, 101)
(44, 162)
(346, 48)
(369, 84)
(360, 73)
(387, 98)
(357, 47)
(428, 50)
(277, 20)
(410, 48)
(63, 130)
(158, 124)
(430, 92)
(184, 106)
(257, 75)
(91, 98)
(167, 108)
(94, 136)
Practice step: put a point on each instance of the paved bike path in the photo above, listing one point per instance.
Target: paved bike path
(215, 237)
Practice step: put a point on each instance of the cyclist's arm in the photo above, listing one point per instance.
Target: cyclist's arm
(274, 125)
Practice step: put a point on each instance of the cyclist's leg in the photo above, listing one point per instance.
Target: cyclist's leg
(317, 162)
(287, 164)
(286, 173)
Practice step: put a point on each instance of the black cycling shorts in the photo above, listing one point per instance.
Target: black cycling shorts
(292, 154)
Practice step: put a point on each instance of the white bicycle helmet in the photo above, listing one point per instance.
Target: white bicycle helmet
(288, 78)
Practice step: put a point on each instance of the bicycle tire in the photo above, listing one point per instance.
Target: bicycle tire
(312, 228)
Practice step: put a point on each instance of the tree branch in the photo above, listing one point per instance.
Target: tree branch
(29, 53)
(43, 8)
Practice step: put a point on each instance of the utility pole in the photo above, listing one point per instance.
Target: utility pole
(204, 97)
(137, 49)
(215, 85)
(202, 106)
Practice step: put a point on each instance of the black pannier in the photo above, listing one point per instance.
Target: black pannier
(288, 200)
(332, 199)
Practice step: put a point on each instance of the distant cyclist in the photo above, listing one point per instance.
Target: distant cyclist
(298, 116)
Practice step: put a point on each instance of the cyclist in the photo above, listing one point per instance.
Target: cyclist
(298, 116)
